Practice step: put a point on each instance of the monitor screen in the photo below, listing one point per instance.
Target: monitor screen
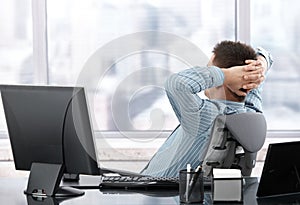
(50, 125)
(281, 171)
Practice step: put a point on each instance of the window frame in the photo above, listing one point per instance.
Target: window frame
(40, 41)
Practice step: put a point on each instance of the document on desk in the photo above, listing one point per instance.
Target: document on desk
(227, 185)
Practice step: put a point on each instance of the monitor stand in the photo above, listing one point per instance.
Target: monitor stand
(38, 201)
(31, 200)
(44, 180)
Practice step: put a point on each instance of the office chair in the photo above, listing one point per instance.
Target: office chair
(232, 134)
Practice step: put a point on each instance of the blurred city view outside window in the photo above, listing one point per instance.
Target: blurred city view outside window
(15, 45)
(275, 25)
(77, 29)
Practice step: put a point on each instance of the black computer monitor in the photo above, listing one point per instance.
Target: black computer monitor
(50, 133)
(281, 171)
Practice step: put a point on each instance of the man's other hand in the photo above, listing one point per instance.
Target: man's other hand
(242, 79)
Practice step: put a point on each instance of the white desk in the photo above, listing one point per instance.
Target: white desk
(11, 193)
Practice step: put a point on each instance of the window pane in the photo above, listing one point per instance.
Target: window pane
(15, 45)
(275, 25)
(129, 93)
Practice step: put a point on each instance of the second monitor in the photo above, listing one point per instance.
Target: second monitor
(50, 133)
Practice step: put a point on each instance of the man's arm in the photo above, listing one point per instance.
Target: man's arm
(254, 99)
(182, 89)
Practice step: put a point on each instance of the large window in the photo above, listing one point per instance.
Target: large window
(131, 86)
(122, 52)
(128, 93)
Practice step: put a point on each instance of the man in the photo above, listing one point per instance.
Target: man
(231, 87)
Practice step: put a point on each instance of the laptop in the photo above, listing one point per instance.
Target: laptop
(281, 171)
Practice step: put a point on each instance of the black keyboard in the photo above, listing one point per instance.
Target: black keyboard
(144, 182)
(132, 182)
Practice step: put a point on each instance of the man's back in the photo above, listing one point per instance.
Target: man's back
(186, 144)
(196, 115)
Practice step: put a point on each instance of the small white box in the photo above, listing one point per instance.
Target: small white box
(227, 185)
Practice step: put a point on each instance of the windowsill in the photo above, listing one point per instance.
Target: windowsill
(132, 153)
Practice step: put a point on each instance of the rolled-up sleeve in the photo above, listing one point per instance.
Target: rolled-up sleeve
(261, 51)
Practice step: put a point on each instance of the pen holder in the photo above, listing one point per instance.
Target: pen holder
(191, 189)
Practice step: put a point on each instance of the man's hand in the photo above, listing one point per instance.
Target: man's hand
(261, 61)
(254, 80)
(242, 79)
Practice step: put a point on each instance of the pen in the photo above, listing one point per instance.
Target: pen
(195, 176)
(188, 171)
(194, 179)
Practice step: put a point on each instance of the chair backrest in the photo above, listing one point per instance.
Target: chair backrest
(231, 134)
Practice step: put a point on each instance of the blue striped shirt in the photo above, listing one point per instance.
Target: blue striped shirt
(196, 116)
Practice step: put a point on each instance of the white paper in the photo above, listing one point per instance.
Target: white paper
(227, 185)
